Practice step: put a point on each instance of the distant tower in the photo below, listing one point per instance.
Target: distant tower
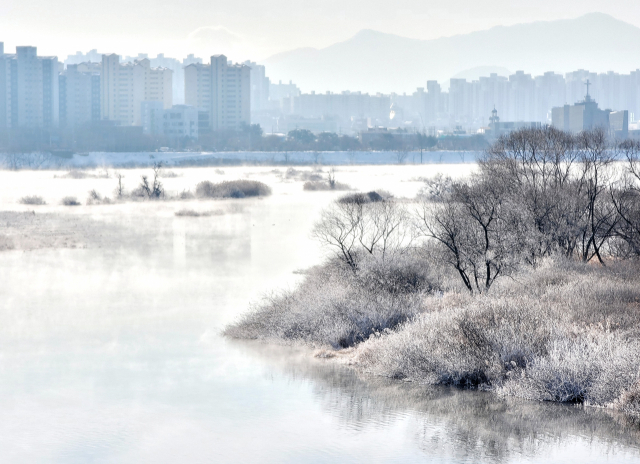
(587, 97)
(494, 117)
(494, 123)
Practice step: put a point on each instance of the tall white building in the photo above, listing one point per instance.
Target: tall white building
(177, 77)
(79, 94)
(4, 77)
(259, 86)
(197, 86)
(124, 87)
(222, 90)
(28, 89)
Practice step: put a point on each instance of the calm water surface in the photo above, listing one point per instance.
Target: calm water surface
(112, 354)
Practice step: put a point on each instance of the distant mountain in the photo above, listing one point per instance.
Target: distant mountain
(376, 62)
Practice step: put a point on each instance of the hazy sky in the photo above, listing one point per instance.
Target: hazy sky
(250, 29)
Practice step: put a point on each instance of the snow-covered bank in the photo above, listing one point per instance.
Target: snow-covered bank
(143, 159)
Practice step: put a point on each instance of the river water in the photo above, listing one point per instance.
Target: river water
(110, 346)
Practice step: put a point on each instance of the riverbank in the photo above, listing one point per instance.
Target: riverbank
(564, 332)
(93, 160)
(523, 279)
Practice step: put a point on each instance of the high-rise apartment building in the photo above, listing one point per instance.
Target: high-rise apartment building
(28, 89)
(124, 86)
(259, 86)
(4, 77)
(177, 77)
(80, 94)
(197, 86)
(222, 90)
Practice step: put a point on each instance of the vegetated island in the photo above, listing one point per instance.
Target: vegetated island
(523, 279)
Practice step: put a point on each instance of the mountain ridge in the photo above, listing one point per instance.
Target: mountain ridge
(374, 61)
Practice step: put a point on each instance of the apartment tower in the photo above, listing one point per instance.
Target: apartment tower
(125, 86)
(222, 91)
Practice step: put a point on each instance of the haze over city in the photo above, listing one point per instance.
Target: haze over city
(249, 30)
(317, 232)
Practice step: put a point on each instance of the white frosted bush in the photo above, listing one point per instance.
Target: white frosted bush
(564, 332)
(336, 307)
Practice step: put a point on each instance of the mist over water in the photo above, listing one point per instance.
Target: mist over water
(110, 346)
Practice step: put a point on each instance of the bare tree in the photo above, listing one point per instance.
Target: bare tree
(339, 228)
(601, 218)
(401, 155)
(560, 182)
(384, 228)
(475, 231)
(119, 191)
(626, 200)
(332, 178)
(364, 224)
(436, 188)
(155, 189)
(38, 159)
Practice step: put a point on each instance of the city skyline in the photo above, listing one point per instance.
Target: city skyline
(124, 91)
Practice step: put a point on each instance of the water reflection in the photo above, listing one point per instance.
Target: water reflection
(451, 425)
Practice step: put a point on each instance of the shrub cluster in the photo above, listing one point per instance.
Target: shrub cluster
(232, 189)
(320, 185)
(32, 200)
(337, 307)
(70, 201)
(564, 332)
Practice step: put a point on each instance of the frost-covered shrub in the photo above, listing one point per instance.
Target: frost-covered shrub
(295, 174)
(76, 175)
(629, 400)
(193, 213)
(169, 174)
(70, 201)
(564, 332)
(360, 198)
(333, 307)
(321, 185)
(186, 195)
(32, 200)
(232, 189)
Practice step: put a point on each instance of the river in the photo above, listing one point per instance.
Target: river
(110, 346)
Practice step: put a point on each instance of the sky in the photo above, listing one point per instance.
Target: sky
(255, 30)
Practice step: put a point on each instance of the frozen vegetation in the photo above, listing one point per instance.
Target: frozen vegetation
(193, 213)
(151, 187)
(70, 201)
(522, 279)
(35, 200)
(232, 189)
